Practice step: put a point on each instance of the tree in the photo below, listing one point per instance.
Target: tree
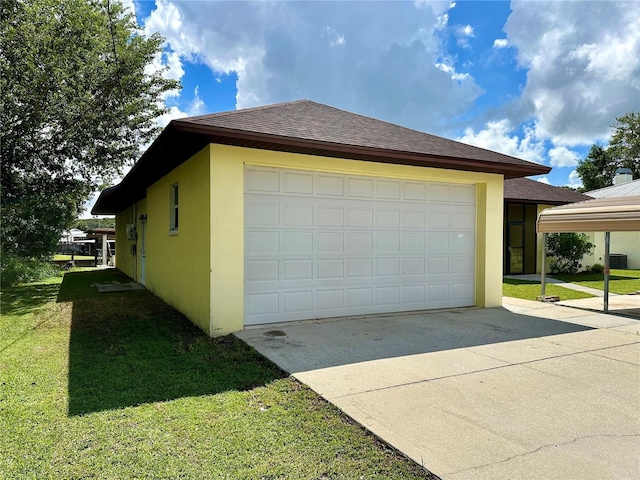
(598, 169)
(91, 223)
(625, 142)
(78, 99)
(568, 248)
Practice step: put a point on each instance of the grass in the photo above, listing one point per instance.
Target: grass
(529, 290)
(122, 386)
(620, 281)
(60, 257)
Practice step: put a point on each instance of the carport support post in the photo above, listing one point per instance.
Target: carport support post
(607, 239)
(543, 265)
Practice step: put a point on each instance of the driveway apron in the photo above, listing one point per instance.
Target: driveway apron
(530, 390)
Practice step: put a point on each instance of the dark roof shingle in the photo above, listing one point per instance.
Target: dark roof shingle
(308, 128)
(527, 190)
(308, 120)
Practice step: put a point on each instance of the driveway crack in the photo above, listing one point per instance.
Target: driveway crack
(478, 467)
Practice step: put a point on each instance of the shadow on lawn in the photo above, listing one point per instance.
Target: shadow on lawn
(130, 348)
(25, 298)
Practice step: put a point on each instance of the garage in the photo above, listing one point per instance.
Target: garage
(323, 244)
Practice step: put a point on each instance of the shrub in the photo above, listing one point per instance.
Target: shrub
(16, 270)
(568, 248)
(597, 268)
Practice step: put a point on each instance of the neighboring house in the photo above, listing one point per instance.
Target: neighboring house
(301, 211)
(524, 199)
(72, 241)
(103, 245)
(624, 246)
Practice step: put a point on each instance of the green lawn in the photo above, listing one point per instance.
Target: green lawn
(529, 290)
(60, 256)
(620, 281)
(122, 386)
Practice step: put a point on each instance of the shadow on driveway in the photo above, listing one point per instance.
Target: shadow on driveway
(130, 348)
(312, 345)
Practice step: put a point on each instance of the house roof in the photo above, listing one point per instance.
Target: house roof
(101, 230)
(531, 191)
(626, 189)
(304, 127)
(609, 214)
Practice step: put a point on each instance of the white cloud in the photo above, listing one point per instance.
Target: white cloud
(163, 120)
(463, 34)
(333, 37)
(573, 180)
(499, 136)
(465, 30)
(563, 157)
(289, 50)
(543, 180)
(583, 62)
(500, 43)
(197, 106)
(447, 68)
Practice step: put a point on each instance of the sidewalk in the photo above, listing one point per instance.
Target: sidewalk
(536, 278)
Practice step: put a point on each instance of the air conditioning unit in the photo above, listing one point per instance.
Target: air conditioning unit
(131, 231)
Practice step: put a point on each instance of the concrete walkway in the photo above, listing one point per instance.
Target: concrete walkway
(555, 281)
(530, 390)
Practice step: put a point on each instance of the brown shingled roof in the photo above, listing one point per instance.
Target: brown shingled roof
(309, 128)
(315, 122)
(532, 191)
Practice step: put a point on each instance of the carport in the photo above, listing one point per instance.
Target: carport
(614, 214)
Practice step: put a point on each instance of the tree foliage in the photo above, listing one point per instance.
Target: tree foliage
(85, 224)
(78, 99)
(598, 169)
(568, 250)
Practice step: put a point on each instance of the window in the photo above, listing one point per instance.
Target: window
(173, 211)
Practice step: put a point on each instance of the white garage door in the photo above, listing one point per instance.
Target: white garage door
(321, 245)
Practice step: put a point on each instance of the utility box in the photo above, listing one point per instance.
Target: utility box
(618, 261)
(131, 231)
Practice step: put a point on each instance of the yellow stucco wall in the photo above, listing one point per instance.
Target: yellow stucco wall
(177, 264)
(227, 221)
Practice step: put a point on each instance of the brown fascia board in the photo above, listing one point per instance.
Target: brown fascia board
(157, 161)
(534, 202)
(272, 142)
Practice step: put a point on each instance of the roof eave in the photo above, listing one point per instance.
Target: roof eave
(154, 164)
(356, 152)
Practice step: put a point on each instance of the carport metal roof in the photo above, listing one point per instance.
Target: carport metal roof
(614, 214)
(609, 214)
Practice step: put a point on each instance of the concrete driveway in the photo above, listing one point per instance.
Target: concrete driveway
(530, 390)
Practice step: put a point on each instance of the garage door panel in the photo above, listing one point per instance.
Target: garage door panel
(388, 189)
(322, 245)
(386, 243)
(414, 191)
(360, 187)
(297, 182)
(330, 185)
(413, 218)
(359, 243)
(439, 192)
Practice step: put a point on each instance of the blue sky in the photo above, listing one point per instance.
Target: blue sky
(537, 80)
